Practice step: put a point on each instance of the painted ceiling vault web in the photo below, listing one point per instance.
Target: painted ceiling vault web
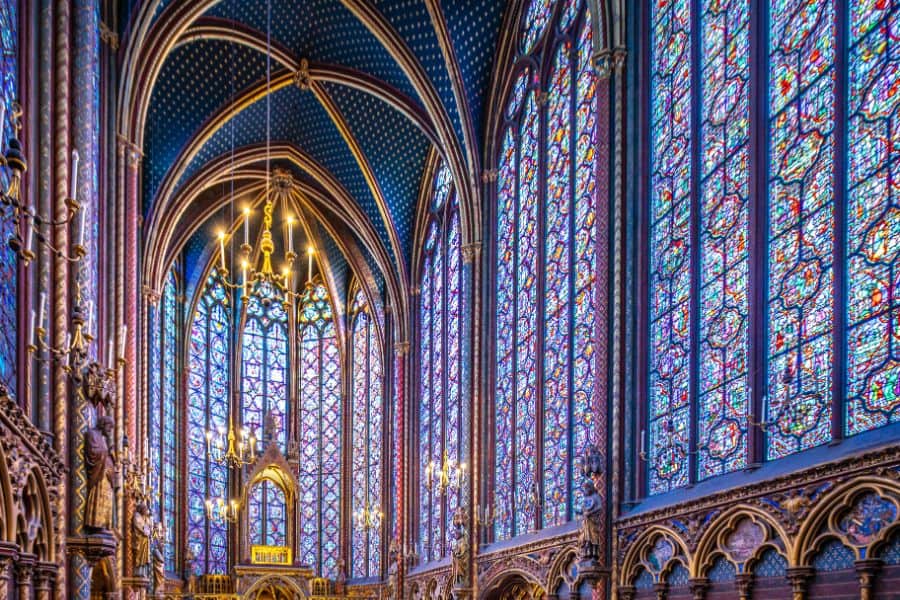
(434, 58)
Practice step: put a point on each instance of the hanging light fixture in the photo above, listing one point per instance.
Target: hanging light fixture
(368, 517)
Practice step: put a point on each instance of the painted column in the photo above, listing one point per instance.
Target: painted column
(59, 320)
(470, 498)
(129, 316)
(6, 562)
(401, 352)
(44, 575)
(85, 136)
(24, 574)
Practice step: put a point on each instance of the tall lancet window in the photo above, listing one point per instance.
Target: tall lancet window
(440, 328)
(545, 270)
(319, 387)
(9, 94)
(164, 411)
(264, 355)
(264, 361)
(367, 405)
(770, 209)
(208, 393)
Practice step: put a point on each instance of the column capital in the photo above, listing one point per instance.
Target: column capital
(401, 348)
(471, 252)
(698, 587)
(799, 577)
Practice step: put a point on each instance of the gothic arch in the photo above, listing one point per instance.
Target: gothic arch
(877, 521)
(720, 538)
(643, 554)
(260, 585)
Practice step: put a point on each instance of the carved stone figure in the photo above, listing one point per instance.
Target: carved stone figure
(100, 469)
(143, 529)
(459, 551)
(591, 515)
(159, 570)
(393, 567)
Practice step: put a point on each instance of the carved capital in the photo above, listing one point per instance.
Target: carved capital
(24, 569)
(799, 578)
(661, 590)
(626, 592)
(489, 176)
(151, 294)
(471, 252)
(698, 587)
(619, 56)
(866, 571)
(603, 63)
(744, 584)
(401, 348)
(92, 548)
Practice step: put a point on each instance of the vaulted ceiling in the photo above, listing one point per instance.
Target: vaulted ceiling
(362, 95)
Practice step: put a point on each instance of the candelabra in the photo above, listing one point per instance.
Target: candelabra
(232, 448)
(447, 476)
(368, 517)
(485, 516)
(28, 223)
(217, 509)
(251, 276)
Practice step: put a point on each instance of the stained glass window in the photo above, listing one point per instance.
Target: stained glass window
(873, 218)
(367, 404)
(9, 80)
(319, 390)
(267, 514)
(440, 409)
(208, 393)
(546, 303)
(264, 358)
(723, 238)
(163, 407)
(699, 316)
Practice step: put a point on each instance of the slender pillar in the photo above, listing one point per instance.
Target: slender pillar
(59, 322)
(866, 571)
(44, 580)
(7, 552)
(799, 578)
(24, 571)
(698, 587)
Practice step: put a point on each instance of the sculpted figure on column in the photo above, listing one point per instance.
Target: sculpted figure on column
(101, 476)
(143, 529)
(459, 551)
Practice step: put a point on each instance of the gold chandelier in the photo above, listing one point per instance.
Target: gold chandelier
(277, 192)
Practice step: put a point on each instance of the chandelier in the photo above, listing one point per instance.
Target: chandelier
(368, 517)
(255, 273)
(231, 448)
(447, 476)
(217, 509)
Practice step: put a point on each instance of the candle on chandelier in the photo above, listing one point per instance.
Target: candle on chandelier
(222, 248)
(28, 233)
(109, 353)
(67, 348)
(73, 192)
(290, 234)
(123, 335)
(81, 227)
(43, 305)
(246, 225)
(643, 442)
(31, 329)
(244, 276)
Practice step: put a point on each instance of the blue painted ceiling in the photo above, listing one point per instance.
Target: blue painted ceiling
(200, 76)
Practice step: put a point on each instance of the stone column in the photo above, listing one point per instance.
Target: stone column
(24, 571)
(698, 587)
(743, 582)
(799, 578)
(44, 579)
(866, 571)
(6, 579)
